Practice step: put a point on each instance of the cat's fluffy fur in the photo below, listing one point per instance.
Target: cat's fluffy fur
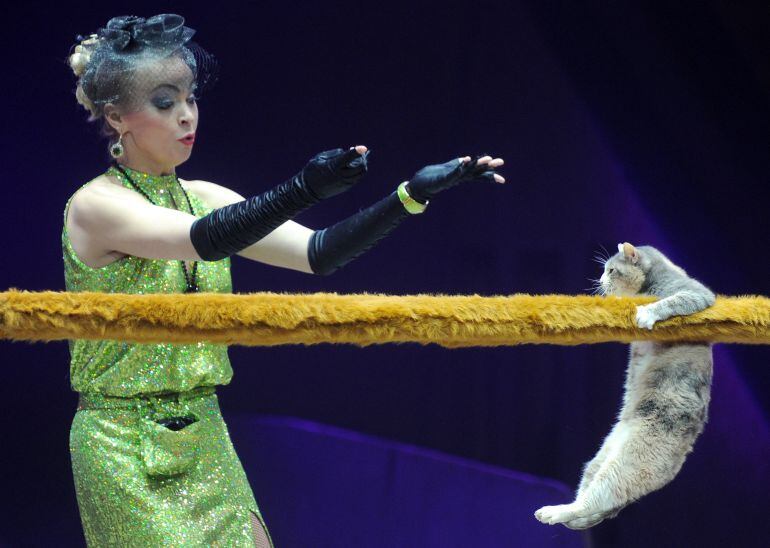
(665, 403)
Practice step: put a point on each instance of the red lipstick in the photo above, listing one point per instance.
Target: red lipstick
(188, 139)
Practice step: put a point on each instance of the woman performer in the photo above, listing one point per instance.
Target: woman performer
(152, 458)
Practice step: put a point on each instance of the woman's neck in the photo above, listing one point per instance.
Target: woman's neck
(145, 165)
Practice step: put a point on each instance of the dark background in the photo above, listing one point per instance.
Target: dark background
(619, 121)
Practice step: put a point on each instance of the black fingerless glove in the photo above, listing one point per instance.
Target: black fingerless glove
(431, 180)
(334, 171)
(333, 247)
(227, 230)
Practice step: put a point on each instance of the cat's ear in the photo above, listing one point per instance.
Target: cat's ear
(629, 252)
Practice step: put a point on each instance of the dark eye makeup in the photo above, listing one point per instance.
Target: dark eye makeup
(165, 103)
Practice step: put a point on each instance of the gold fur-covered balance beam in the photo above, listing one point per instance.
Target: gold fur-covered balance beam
(268, 319)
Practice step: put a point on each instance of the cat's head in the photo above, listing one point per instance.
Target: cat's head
(624, 272)
(633, 269)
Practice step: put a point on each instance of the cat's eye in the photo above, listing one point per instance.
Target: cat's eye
(611, 270)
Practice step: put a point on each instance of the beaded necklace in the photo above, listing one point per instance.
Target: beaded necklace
(192, 284)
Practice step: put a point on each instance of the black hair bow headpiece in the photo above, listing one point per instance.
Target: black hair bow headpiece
(129, 33)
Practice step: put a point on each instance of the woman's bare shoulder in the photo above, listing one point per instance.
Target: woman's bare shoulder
(103, 186)
(102, 194)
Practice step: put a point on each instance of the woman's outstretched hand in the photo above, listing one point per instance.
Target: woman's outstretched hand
(431, 180)
(335, 171)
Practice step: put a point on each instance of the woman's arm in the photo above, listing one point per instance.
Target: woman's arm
(229, 229)
(104, 219)
(284, 247)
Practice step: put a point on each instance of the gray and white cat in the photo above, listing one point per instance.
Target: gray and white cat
(667, 392)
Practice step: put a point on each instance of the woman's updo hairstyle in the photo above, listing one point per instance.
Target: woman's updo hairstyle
(78, 62)
(106, 62)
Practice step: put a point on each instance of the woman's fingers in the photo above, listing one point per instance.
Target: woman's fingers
(353, 156)
(490, 176)
(493, 162)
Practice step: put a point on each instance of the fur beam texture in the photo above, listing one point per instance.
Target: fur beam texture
(269, 319)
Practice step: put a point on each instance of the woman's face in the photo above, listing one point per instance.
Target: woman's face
(161, 116)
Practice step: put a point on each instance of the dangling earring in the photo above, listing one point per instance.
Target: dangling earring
(116, 150)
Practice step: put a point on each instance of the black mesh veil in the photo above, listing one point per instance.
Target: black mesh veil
(122, 62)
(206, 71)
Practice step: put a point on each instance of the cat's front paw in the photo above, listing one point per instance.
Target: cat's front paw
(645, 318)
(551, 515)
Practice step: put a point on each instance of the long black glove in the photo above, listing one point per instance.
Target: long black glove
(337, 245)
(227, 230)
(431, 180)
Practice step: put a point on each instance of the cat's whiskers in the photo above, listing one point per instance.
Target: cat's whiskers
(606, 253)
(602, 256)
(596, 286)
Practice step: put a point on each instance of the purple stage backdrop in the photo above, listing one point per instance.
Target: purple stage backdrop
(619, 121)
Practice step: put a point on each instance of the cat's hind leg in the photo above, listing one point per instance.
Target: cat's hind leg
(551, 515)
(589, 472)
(643, 461)
(569, 512)
(593, 466)
(639, 354)
(592, 503)
(594, 519)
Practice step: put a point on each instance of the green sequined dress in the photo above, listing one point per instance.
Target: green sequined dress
(139, 483)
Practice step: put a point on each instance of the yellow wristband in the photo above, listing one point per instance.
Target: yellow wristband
(410, 204)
